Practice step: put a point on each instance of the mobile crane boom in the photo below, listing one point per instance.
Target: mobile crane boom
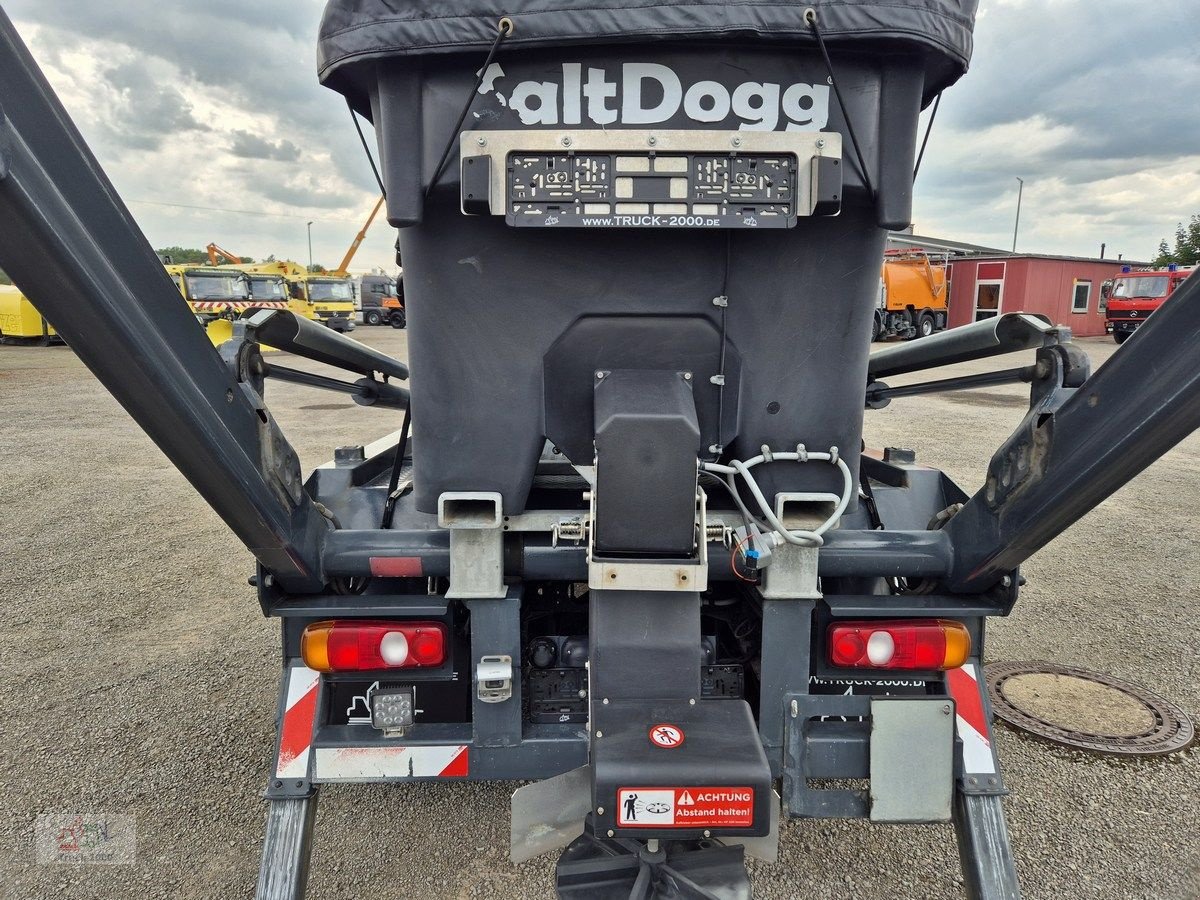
(215, 253)
(358, 239)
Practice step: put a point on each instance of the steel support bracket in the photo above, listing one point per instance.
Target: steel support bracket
(983, 785)
(476, 525)
(800, 800)
(476, 564)
(792, 574)
(1059, 371)
(289, 789)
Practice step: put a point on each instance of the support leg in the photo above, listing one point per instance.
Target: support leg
(983, 845)
(286, 849)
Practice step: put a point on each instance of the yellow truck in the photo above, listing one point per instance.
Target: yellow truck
(912, 296)
(219, 295)
(327, 298)
(20, 322)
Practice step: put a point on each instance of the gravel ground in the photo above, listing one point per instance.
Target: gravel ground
(137, 677)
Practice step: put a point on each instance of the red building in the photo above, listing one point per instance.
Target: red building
(1064, 289)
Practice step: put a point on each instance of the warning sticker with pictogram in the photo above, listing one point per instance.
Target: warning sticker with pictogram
(691, 807)
(668, 736)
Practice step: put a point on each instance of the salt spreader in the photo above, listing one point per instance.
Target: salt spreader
(627, 542)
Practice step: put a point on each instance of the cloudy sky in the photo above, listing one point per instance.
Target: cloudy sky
(209, 119)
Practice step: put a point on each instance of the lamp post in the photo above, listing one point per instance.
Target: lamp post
(310, 262)
(1017, 223)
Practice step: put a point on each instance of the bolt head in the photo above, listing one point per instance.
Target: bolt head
(737, 142)
(692, 701)
(611, 833)
(946, 710)
(820, 143)
(652, 140)
(687, 376)
(605, 701)
(566, 141)
(599, 734)
(481, 141)
(707, 833)
(599, 375)
(599, 810)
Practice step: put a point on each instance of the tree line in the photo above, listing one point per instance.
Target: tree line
(190, 256)
(1186, 251)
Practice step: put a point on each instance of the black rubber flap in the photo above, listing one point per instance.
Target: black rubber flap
(356, 30)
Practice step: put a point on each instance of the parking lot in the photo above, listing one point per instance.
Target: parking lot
(138, 677)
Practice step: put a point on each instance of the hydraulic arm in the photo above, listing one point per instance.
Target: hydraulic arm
(74, 249)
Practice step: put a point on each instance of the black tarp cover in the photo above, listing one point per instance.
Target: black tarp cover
(359, 30)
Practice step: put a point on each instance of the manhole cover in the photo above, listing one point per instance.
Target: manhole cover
(1086, 710)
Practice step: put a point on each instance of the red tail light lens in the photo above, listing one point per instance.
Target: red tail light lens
(356, 645)
(899, 644)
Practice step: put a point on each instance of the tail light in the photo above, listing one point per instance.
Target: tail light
(899, 644)
(354, 645)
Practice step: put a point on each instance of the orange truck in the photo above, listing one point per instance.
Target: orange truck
(912, 296)
(1134, 294)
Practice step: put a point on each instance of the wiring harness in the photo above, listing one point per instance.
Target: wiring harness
(772, 527)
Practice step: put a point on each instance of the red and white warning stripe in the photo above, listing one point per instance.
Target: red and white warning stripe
(376, 763)
(239, 306)
(296, 729)
(973, 726)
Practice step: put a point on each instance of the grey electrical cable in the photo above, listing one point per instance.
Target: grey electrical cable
(802, 537)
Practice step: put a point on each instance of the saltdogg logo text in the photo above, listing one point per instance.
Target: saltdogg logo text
(649, 94)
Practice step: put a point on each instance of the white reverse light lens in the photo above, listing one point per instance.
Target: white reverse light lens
(880, 648)
(394, 648)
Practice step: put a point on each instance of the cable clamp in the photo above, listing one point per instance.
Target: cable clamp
(801, 453)
(721, 301)
(767, 455)
(717, 380)
(833, 456)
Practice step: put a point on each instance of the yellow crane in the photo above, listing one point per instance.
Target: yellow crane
(380, 296)
(215, 254)
(358, 239)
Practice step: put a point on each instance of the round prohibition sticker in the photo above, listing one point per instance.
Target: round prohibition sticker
(666, 736)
